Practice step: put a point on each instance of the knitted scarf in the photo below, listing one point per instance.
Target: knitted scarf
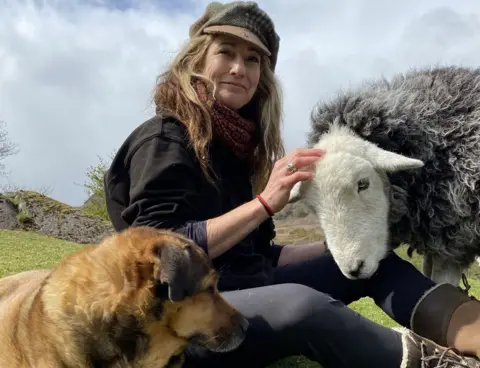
(240, 135)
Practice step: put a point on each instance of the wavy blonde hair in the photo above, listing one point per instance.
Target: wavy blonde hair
(175, 95)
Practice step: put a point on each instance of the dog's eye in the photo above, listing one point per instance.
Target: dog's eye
(363, 184)
(211, 290)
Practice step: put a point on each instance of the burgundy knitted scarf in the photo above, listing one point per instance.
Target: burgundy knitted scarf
(237, 133)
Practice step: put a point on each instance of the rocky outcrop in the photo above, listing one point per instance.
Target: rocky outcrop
(9, 214)
(35, 212)
(297, 213)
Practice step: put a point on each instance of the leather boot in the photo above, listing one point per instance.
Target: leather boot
(419, 352)
(432, 315)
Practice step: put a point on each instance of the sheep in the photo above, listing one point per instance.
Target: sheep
(402, 166)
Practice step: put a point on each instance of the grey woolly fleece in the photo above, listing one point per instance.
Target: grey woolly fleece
(432, 115)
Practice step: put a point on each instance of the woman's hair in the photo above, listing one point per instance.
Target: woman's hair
(175, 95)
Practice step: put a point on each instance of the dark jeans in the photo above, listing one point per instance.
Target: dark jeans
(305, 313)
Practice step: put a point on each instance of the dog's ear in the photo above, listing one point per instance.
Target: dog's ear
(176, 266)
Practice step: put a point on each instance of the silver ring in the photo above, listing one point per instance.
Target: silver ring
(291, 167)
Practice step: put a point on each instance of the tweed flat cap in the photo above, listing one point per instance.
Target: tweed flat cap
(243, 19)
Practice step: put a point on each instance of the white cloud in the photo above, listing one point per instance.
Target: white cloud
(76, 79)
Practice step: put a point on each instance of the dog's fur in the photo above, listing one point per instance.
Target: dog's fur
(135, 300)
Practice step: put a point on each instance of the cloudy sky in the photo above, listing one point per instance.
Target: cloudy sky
(76, 75)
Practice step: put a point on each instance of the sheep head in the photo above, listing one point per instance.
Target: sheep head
(349, 194)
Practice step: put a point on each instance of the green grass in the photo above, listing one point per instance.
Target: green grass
(22, 251)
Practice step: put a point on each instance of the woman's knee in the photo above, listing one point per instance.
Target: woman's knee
(284, 305)
(322, 273)
(397, 286)
(281, 318)
(291, 319)
(305, 304)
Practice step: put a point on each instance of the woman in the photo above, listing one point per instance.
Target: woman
(195, 167)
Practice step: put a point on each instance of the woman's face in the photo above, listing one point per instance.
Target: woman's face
(234, 67)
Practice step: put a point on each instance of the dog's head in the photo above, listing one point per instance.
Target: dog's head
(185, 294)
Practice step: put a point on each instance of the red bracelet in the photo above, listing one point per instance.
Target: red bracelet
(265, 204)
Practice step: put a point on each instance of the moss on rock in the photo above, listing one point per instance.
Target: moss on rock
(45, 215)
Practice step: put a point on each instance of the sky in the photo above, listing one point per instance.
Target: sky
(76, 77)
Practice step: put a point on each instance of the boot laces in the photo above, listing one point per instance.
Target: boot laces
(443, 359)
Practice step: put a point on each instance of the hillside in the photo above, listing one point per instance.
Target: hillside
(35, 212)
(297, 213)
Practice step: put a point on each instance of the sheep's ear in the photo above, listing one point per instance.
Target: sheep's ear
(389, 161)
(298, 191)
(295, 193)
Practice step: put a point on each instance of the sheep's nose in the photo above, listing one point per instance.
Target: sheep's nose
(356, 271)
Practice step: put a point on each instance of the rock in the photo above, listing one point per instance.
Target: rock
(47, 216)
(294, 210)
(8, 215)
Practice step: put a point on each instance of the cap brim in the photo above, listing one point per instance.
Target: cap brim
(239, 32)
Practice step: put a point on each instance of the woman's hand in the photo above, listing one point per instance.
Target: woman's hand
(224, 231)
(287, 171)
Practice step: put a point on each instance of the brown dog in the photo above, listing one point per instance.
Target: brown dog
(135, 300)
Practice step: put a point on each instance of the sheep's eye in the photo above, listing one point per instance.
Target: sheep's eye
(363, 184)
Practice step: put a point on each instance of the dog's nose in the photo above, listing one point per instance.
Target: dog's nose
(356, 271)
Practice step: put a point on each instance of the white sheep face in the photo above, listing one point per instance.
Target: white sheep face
(350, 201)
(352, 209)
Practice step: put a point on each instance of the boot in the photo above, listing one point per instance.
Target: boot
(434, 317)
(419, 352)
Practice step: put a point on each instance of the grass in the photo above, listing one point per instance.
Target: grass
(22, 251)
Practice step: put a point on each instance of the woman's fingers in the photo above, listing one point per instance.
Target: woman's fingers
(300, 152)
(299, 159)
(302, 163)
(290, 180)
(290, 169)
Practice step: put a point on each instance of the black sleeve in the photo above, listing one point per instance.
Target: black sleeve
(265, 241)
(274, 253)
(163, 189)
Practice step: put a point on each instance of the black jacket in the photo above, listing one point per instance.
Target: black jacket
(155, 180)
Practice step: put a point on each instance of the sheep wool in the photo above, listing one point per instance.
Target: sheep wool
(431, 115)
